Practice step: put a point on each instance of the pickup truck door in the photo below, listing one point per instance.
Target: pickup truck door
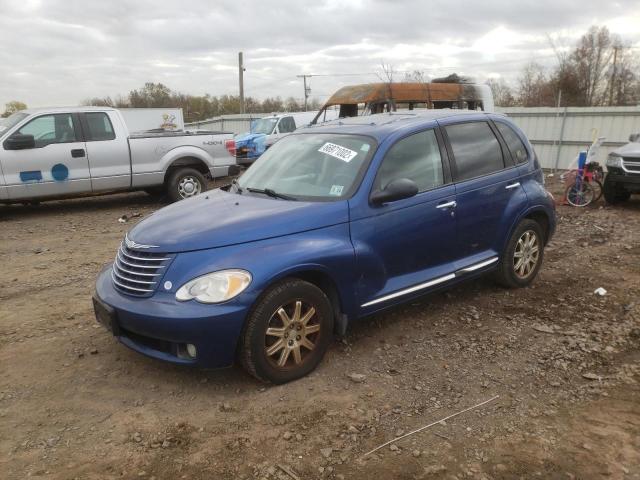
(56, 165)
(107, 150)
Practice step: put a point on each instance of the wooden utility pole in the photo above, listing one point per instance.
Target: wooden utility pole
(613, 74)
(307, 90)
(241, 79)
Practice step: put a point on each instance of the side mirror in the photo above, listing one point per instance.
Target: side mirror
(634, 137)
(396, 190)
(19, 142)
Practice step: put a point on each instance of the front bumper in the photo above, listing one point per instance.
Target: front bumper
(160, 327)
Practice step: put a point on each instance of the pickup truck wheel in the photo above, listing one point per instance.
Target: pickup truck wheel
(185, 183)
(614, 194)
(287, 332)
(523, 256)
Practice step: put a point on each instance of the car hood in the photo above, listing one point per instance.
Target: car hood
(631, 149)
(248, 138)
(218, 218)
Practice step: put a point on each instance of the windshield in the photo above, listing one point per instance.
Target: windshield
(264, 125)
(322, 166)
(10, 121)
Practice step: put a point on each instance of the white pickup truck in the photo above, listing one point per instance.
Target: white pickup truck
(66, 152)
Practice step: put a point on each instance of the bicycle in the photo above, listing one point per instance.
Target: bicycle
(584, 185)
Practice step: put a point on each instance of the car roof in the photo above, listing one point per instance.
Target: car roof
(381, 125)
(66, 109)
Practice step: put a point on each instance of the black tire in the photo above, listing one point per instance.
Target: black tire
(580, 195)
(180, 178)
(255, 342)
(506, 274)
(613, 193)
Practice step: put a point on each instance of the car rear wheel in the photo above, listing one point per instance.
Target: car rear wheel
(185, 183)
(287, 332)
(523, 256)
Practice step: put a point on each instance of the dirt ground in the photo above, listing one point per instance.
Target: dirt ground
(565, 363)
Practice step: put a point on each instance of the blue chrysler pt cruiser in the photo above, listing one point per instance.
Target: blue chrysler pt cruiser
(332, 223)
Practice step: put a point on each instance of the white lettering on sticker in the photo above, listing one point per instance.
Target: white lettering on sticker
(338, 152)
(336, 190)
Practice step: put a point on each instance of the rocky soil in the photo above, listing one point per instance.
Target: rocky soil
(563, 361)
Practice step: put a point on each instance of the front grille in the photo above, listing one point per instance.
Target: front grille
(138, 272)
(631, 164)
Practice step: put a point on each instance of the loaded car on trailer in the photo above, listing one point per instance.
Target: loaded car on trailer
(333, 223)
(372, 98)
(54, 153)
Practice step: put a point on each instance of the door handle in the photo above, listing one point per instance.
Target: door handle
(77, 153)
(451, 204)
(513, 185)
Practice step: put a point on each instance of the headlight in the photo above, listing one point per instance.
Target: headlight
(614, 161)
(215, 287)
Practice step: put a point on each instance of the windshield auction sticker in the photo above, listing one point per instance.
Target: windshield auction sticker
(338, 152)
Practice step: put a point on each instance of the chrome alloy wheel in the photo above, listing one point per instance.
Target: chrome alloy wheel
(291, 334)
(526, 254)
(189, 186)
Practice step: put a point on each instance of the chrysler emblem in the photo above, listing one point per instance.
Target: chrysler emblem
(133, 245)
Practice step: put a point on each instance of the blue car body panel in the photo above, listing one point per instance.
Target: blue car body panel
(372, 256)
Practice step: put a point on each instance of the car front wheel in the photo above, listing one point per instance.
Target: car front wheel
(287, 332)
(523, 256)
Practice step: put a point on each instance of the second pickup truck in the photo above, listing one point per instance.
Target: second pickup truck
(66, 152)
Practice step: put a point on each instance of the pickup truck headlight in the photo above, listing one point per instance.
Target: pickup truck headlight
(614, 161)
(215, 287)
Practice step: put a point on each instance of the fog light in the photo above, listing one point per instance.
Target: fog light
(191, 350)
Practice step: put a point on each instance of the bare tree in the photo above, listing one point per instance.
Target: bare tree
(590, 60)
(534, 87)
(13, 107)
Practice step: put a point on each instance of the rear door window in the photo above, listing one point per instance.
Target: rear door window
(514, 144)
(287, 125)
(99, 126)
(416, 157)
(475, 148)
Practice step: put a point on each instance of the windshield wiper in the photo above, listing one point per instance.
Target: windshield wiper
(271, 193)
(235, 183)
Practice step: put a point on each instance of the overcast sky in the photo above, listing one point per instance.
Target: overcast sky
(59, 52)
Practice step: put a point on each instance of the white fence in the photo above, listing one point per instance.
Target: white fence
(558, 134)
(239, 123)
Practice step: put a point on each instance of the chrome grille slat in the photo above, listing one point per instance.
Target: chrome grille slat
(144, 259)
(137, 265)
(127, 279)
(128, 287)
(121, 268)
(138, 273)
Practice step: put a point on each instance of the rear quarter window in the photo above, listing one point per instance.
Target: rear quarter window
(475, 148)
(514, 144)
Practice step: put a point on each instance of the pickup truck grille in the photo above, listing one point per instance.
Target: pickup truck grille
(138, 272)
(631, 164)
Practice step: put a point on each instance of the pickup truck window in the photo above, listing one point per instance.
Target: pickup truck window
(99, 126)
(287, 124)
(264, 126)
(416, 157)
(311, 166)
(48, 129)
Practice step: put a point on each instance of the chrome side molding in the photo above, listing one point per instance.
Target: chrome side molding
(431, 283)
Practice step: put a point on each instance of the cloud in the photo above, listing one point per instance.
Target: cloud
(58, 52)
